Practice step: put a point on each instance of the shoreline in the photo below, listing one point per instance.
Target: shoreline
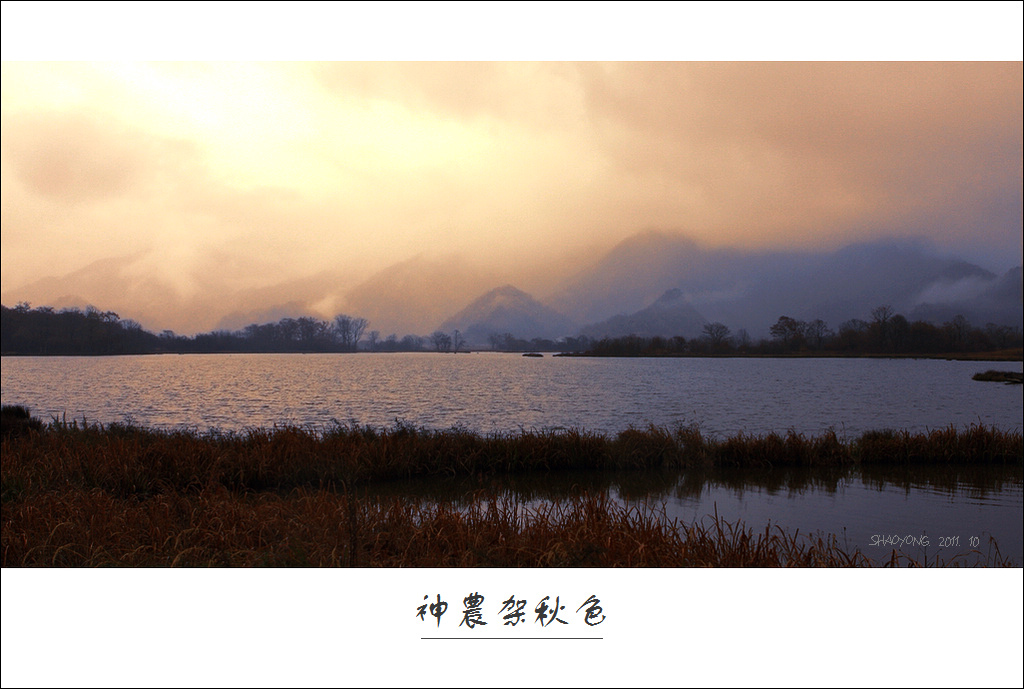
(1003, 355)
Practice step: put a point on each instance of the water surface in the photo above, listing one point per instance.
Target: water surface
(961, 514)
(490, 392)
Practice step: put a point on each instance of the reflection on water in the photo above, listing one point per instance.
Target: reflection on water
(490, 392)
(940, 506)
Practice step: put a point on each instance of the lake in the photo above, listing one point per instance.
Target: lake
(493, 392)
(504, 393)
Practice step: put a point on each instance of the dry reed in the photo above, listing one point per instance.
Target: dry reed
(88, 495)
(215, 527)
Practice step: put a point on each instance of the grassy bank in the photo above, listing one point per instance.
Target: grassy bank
(1000, 376)
(84, 495)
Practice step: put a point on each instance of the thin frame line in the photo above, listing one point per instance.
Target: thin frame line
(514, 638)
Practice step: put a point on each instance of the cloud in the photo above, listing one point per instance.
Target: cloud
(236, 176)
(81, 157)
(791, 150)
(532, 94)
(952, 292)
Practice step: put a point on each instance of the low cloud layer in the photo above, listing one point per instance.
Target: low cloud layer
(222, 179)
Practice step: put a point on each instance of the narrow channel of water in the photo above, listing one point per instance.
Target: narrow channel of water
(954, 514)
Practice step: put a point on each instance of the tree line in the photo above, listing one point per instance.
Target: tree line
(887, 332)
(507, 342)
(46, 331)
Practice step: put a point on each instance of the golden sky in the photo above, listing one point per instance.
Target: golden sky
(221, 174)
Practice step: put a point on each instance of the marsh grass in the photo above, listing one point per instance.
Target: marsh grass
(315, 528)
(90, 495)
(126, 460)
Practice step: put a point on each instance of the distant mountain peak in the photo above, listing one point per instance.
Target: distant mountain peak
(508, 309)
(669, 297)
(510, 291)
(669, 315)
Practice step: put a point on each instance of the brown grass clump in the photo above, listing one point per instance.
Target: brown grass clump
(130, 461)
(974, 445)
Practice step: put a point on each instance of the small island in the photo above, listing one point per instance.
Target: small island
(1008, 377)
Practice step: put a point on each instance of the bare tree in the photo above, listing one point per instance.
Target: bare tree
(717, 334)
(880, 316)
(999, 335)
(852, 333)
(959, 329)
(817, 331)
(349, 330)
(358, 327)
(789, 330)
(442, 341)
(743, 338)
(899, 331)
(457, 341)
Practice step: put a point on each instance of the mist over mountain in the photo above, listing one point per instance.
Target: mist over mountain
(413, 296)
(994, 301)
(628, 277)
(210, 299)
(652, 283)
(508, 309)
(237, 320)
(110, 282)
(751, 289)
(671, 314)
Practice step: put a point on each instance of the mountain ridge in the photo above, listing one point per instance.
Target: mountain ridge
(744, 289)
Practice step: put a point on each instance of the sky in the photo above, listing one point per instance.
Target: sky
(196, 174)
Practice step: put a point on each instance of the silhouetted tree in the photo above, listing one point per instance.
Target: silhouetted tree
(349, 330)
(817, 331)
(789, 331)
(1001, 336)
(924, 337)
(899, 332)
(442, 341)
(851, 334)
(412, 343)
(742, 338)
(717, 335)
(880, 316)
(959, 330)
